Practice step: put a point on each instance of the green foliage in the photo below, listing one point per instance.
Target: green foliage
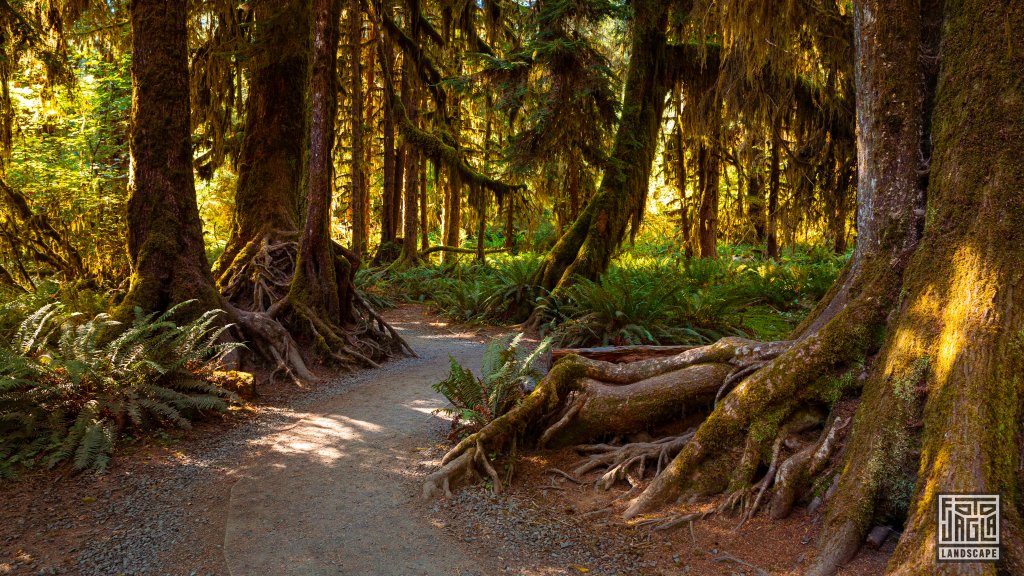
(464, 295)
(368, 282)
(641, 306)
(645, 298)
(70, 386)
(500, 291)
(516, 293)
(508, 373)
(70, 158)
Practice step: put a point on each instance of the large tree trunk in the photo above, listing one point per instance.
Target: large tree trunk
(586, 249)
(321, 306)
(452, 212)
(937, 318)
(391, 197)
(273, 158)
(412, 176)
(314, 283)
(165, 237)
(953, 354)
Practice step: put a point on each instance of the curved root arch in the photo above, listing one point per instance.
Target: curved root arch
(582, 400)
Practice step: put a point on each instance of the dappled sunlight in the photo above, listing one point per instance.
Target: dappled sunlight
(322, 438)
(426, 406)
(966, 309)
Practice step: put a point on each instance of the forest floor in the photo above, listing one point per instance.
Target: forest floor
(326, 480)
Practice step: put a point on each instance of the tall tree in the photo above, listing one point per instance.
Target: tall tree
(358, 160)
(586, 248)
(272, 163)
(956, 335)
(412, 177)
(165, 236)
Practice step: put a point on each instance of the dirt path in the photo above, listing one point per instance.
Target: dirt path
(337, 492)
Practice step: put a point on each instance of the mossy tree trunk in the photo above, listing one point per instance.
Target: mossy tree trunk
(314, 284)
(272, 159)
(452, 212)
(272, 163)
(586, 248)
(953, 357)
(707, 216)
(929, 302)
(165, 236)
(774, 178)
(412, 175)
(282, 273)
(165, 239)
(322, 307)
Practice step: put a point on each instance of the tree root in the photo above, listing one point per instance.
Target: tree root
(797, 471)
(582, 399)
(624, 461)
(258, 286)
(272, 341)
(767, 398)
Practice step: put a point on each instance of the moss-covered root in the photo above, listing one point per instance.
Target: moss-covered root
(460, 471)
(798, 471)
(601, 409)
(765, 399)
(737, 352)
(550, 394)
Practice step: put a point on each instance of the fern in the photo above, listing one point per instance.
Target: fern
(508, 373)
(69, 393)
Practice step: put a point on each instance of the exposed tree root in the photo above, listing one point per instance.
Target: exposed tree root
(630, 461)
(276, 318)
(581, 400)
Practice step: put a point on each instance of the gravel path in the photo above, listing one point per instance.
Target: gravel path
(339, 462)
(337, 492)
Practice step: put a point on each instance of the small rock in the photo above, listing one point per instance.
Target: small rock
(878, 536)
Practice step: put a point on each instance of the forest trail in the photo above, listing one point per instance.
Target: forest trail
(338, 493)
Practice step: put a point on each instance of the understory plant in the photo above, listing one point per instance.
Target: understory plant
(71, 386)
(509, 372)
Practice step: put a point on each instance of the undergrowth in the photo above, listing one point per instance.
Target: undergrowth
(72, 385)
(647, 297)
(508, 373)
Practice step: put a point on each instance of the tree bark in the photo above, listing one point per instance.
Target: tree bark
(315, 282)
(954, 347)
(774, 170)
(165, 237)
(452, 211)
(424, 238)
(272, 163)
(412, 176)
(707, 217)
